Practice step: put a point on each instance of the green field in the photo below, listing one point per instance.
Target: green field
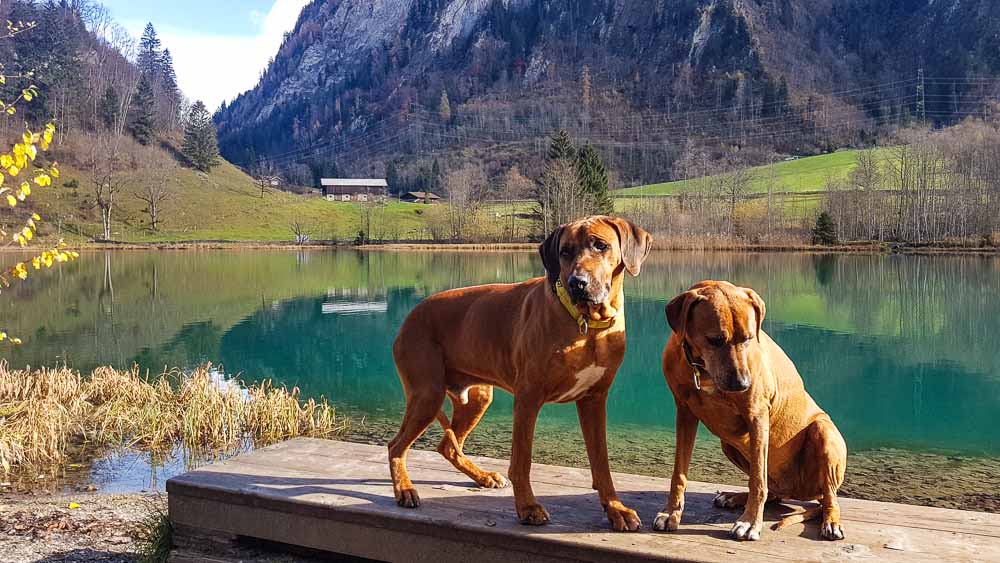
(226, 205)
(808, 174)
(222, 205)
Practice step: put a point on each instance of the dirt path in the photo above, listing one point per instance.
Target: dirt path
(43, 527)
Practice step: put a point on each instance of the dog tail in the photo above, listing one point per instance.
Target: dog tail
(443, 420)
(799, 517)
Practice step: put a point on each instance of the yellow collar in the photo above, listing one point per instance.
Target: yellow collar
(581, 321)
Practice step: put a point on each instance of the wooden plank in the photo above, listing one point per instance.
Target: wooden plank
(336, 496)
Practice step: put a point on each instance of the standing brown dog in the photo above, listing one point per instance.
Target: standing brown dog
(535, 340)
(727, 373)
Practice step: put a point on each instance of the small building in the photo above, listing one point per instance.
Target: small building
(419, 197)
(354, 189)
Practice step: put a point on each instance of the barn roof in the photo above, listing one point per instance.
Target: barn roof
(421, 195)
(354, 182)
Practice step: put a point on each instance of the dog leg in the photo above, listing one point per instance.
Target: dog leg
(421, 410)
(831, 459)
(592, 411)
(464, 419)
(526, 409)
(749, 525)
(687, 429)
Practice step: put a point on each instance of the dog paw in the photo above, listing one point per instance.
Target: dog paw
(622, 518)
(533, 515)
(831, 531)
(745, 531)
(667, 521)
(493, 480)
(730, 500)
(408, 498)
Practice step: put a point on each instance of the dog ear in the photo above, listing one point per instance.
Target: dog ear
(550, 255)
(679, 311)
(635, 244)
(759, 307)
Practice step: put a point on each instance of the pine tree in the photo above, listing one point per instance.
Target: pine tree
(392, 177)
(200, 143)
(107, 108)
(142, 112)
(149, 58)
(436, 177)
(825, 231)
(585, 79)
(593, 178)
(561, 147)
(169, 90)
(444, 108)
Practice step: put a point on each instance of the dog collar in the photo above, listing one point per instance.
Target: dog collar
(581, 321)
(697, 367)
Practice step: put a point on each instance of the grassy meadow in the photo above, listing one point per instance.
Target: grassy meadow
(808, 174)
(224, 204)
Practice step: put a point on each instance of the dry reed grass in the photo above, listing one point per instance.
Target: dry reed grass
(51, 416)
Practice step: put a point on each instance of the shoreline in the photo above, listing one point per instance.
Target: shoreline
(418, 246)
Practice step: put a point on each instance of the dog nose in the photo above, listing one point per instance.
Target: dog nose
(741, 382)
(577, 284)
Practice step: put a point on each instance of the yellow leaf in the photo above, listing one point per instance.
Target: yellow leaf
(16, 341)
(43, 180)
(27, 95)
(36, 263)
(36, 217)
(11, 110)
(54, 171)
(21, 241)
(74, 505)
(26, 137)
(25, 188)
(6, 161)
(3, 336)
(3, 79)
(13, 170)
(28, 234)
(11, 200)
(31, 151)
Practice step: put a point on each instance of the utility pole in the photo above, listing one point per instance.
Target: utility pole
(921, 96)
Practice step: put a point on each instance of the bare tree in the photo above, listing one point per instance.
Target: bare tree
(108, 174)
(515, 187)
(154, 193)
(466, 190)
(299, 232)
(265, 175)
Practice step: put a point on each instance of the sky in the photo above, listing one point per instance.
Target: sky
(219, 47)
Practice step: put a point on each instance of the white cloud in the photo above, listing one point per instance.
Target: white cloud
(216, 68)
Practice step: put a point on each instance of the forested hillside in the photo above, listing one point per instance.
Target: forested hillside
(650, 83)
(118, 112)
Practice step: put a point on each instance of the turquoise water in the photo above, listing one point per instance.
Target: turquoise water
(902, 351)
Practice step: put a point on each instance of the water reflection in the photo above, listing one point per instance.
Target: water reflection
(899, 349)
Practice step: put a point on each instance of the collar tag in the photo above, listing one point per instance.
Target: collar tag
(695, 366)
(581, 320)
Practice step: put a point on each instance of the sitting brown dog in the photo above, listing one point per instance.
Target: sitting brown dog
(558, 338)
(726, 372)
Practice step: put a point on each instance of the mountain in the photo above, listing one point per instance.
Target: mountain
(651, 83)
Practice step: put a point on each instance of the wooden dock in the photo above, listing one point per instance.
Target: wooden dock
(336, 497)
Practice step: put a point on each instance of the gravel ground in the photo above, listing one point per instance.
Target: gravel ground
(75, 526)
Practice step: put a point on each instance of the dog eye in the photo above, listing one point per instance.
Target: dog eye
(716, 341)
(565, 253)
(601, 246)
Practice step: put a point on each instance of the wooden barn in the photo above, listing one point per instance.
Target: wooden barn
(419, 197)
(354, 189)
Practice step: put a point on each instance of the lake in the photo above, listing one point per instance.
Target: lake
(901, 350)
